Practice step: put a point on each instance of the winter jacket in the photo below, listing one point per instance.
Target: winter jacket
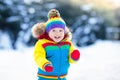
(57, 54)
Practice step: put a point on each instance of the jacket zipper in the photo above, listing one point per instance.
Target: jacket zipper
(59, 61)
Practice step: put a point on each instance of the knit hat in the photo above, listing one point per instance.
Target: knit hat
(54, 21)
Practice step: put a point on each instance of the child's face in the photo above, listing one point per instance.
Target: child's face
(56, 34)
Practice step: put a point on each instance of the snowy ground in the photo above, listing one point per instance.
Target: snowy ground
(100, 61)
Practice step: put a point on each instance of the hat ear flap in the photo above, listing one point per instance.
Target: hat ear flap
(38, 29)
(68, 33)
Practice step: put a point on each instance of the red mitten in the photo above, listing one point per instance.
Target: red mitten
(48, 68)
(75, 55)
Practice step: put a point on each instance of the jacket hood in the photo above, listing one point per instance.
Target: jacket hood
(38, 31)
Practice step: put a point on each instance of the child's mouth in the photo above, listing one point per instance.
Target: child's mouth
(57, 37)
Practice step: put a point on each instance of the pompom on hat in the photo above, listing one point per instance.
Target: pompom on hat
(54, 21)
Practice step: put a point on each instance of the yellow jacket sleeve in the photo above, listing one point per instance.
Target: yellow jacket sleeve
(73, 53)
(70, 51)
(40, 55)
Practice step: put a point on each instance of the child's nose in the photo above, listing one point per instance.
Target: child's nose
(57, 33)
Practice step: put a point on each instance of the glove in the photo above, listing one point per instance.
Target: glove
(48, 68)
(75, 55)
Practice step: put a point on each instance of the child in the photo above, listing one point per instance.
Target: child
(53, 51)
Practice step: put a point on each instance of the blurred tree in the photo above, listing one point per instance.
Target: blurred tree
(93, 21)
(68, 12)
(9, 20)
(117, 16)
(87, 20)
(37, 12)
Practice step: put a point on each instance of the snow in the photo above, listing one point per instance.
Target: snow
(17, 65)
(31, 10)
(13, 19)
(87, 7)
(9, 2)
(100, 61)
(5, 39)
(92, 20)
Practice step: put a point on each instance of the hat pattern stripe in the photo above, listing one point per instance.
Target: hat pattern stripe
(55, 23)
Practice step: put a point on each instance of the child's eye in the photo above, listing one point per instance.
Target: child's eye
(60, 30)
(53, 30)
